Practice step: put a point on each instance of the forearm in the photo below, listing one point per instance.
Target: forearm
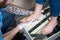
(11, 34)
(39, 5)
(37, 12)
(38, 8)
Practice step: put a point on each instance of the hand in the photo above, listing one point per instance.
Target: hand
(31, 17)
(50, 26)
(27, 19)
(47, 30)
(24, 20)
(23, 25)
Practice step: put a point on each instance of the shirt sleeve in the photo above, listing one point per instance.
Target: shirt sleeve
(55, 7)
(40, 1)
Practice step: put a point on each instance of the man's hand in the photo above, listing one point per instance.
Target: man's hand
(51, 25)
(23, 25)
(36, 14)
(31, 17)
(47, 30)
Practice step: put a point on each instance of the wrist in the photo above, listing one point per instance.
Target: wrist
(20, 26)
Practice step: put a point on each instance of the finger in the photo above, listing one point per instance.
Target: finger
(47, 32)
(44, 32)
(23, 20)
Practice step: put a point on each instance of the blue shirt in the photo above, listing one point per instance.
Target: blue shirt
(1, 16)
(54, 6)
(8, 21)
(1, 25)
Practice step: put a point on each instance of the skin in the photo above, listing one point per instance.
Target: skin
(1, 0)
(9, 2)
(37, 13)
(9, 35)
(49, 27)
